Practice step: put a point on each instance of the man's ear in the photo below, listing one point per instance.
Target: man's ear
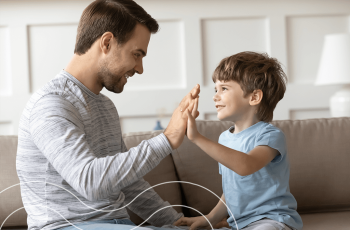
(256, 97)
(106, 41)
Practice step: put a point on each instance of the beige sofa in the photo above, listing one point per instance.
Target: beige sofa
(318, 151)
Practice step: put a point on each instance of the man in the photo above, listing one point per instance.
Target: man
(72, 162)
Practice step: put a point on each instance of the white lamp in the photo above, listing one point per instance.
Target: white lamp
(334, 69)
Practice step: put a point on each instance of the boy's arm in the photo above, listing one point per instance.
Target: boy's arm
(219, 212)
(215, 216)
(241, 163)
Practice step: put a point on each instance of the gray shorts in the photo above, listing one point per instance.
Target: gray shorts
(267, 224)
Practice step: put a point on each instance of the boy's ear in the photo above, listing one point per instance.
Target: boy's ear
(256, 97)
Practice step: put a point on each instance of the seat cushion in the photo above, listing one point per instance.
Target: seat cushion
(326, 221)
(10, 199)
(164, 172)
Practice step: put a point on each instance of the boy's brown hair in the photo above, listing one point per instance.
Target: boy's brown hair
(253, 71)
(116, 16)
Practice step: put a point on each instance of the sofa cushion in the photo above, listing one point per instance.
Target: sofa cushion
(319, 155)
(195, 166)
(326, 221)
(164, 172)
(10, 200)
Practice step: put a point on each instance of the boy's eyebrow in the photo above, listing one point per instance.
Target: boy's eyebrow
(224, 84)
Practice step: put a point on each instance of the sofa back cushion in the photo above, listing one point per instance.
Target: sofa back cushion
(10, 199)
(164, 172)
(195, 166)
(319, 155)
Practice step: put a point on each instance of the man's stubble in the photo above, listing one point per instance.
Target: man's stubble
(112, 82)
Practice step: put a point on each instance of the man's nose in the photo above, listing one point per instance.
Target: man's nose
(139, 67)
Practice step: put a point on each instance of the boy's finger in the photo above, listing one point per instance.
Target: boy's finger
(194, 226)
(178, 222)
(190, 117)
(195, 108)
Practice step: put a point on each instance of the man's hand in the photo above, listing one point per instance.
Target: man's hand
(175, 132)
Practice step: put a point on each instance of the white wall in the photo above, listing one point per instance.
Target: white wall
(37, 40)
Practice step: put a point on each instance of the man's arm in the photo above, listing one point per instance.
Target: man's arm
(58, 131)
(239, 162)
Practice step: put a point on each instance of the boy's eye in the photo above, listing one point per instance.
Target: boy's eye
(223, 88)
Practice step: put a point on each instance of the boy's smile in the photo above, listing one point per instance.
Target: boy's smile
(230, 102)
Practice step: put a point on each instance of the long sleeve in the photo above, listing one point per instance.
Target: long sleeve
(57, 129)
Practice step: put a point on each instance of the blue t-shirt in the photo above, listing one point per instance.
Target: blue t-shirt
(264, 193)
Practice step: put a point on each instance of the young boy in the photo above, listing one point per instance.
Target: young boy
(252, 154)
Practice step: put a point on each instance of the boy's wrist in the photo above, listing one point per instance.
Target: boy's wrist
(197, 140)
(213, 219)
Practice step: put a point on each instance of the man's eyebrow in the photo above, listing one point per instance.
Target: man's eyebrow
(142, 51)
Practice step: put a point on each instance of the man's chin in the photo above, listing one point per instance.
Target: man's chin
(116, 89)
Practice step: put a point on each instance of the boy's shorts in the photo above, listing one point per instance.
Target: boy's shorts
(267, 224)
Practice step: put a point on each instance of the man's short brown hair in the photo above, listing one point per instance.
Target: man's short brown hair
(253, 71)
(116, 16)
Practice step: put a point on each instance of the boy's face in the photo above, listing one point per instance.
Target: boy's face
(229, 101)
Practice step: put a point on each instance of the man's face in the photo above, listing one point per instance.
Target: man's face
(123, 61)
(229, 101)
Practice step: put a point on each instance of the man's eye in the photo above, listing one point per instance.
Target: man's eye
(137, 55)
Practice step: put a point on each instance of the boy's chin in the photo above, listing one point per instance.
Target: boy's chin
(224, 118)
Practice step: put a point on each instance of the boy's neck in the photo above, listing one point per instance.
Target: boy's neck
(244, 123)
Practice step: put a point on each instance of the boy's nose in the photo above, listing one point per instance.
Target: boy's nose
(215, 98)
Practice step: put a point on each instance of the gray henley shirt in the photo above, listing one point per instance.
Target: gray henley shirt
(70, 140)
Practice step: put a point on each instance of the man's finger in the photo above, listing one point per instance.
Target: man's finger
(197, 114)
(189, 97)
(195, 91)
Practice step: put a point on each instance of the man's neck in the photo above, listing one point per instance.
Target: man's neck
(83, 68)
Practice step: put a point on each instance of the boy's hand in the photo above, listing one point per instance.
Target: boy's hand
(175, 132)
(193, 222)
(192, 132)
